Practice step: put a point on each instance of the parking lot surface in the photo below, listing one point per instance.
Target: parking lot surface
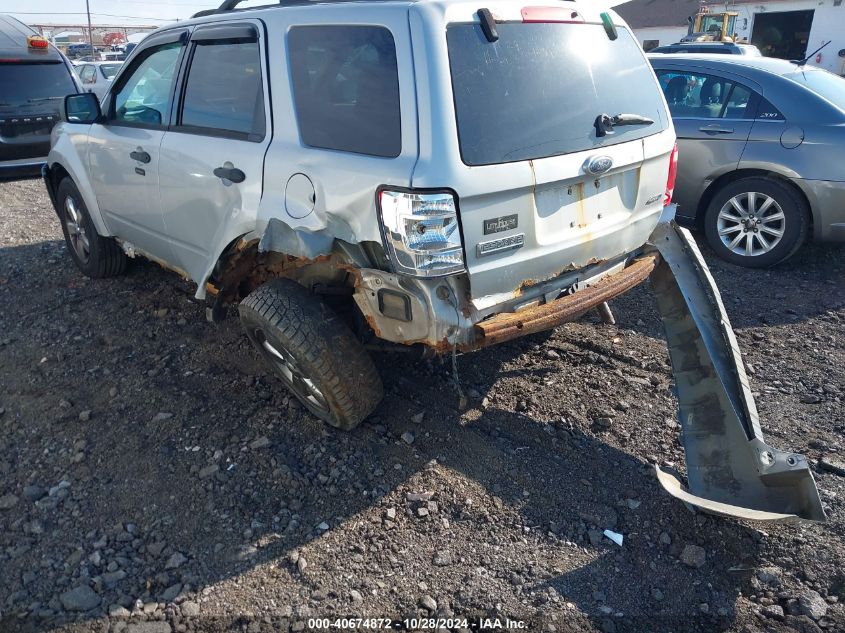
(152, 469)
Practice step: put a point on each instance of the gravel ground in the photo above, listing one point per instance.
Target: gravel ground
(154, 477)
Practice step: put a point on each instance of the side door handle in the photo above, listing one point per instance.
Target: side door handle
(140, 156)
(715, 129)
(232, 174)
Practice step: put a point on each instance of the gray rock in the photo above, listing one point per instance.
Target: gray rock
(442, 558)
(209, 471)
(149, 627)
(356, 596)
(118, 611)
(155, 549)
(812, 604)
(85, 416)
(390, 514)
(774, 611)
(665, 539)
(408, 437)
(177, 559)
(261, 442)
(7, 502)
(427, 602)
(34, 493)
(81, 598)
(161, 417)
(603, 422)
(111, 579)
(169, 594)
(769, 576)
(190, 609)
(693, 556)
(595, 537)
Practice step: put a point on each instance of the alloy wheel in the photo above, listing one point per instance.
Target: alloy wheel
(76, 230)
(751, 224)
(292, 374)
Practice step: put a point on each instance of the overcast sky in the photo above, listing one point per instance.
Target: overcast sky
(154, 12)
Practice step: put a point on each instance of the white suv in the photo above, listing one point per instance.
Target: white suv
(458, 173)
(446, 176)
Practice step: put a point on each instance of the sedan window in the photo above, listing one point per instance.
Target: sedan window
(694, 95)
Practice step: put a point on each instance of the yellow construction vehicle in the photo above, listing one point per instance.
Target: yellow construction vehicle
(707, 26)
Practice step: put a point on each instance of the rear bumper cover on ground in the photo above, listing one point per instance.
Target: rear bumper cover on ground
(730, 468)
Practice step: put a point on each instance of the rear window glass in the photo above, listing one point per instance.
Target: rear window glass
(109, 70)
(828, 85)
(537, 91)
(346, 88)
(28, 83)
(224, 92)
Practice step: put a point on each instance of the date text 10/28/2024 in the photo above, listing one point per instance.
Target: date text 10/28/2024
(416, 624)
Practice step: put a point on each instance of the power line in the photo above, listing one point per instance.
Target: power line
(105, 15)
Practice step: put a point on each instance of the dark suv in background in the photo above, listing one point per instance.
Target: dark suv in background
(34, 80)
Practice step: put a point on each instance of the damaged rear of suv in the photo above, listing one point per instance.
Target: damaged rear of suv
(447, 175)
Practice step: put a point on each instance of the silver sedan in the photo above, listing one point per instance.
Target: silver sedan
(760, 145)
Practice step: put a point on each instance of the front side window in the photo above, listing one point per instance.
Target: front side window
(694, 95)
(224, 93)
(145, 97)
(346, 88)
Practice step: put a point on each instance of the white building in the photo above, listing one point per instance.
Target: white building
(790, 29)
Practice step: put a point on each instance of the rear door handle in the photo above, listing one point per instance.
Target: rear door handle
(232, 174)
(715, 129)
(140, 156)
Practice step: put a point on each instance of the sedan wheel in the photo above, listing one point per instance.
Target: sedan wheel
(756, 221)
(751, 224)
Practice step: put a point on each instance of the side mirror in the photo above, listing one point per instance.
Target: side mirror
(81, 108)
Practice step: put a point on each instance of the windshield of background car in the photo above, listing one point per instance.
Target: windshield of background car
(823, 83)
(24, 82)
(109, 70)
(537, 91)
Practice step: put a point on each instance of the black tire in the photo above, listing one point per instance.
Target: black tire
(787, 204)
(94, 255)
(308, 346)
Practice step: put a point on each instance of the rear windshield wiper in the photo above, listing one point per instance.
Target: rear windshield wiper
(605, 123)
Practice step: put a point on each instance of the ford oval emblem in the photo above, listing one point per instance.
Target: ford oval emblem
(598, 165)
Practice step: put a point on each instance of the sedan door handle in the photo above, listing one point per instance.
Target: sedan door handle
(715, 129)
(141, 157)
(232, 174)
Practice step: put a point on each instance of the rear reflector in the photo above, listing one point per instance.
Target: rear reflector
(35, 41)
(673, 173)
(551, 14)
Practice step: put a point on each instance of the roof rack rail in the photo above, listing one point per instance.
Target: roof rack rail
(228, 5)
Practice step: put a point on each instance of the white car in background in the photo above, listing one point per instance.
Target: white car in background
(96, 77)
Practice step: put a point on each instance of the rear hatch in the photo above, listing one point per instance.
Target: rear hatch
(543, 191)
(30, 98)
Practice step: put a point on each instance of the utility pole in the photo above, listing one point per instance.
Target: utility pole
(90, 32)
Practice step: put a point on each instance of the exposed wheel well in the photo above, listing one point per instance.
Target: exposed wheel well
(57, 174)
(739, 174)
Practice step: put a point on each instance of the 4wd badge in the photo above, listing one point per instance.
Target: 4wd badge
(504, 223)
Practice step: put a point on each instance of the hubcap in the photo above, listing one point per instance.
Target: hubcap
(291, 373)
(76, 230)
(751, 224)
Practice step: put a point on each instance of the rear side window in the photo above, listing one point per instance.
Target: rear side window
(346, 88)
(224, 93)
(538, 90)
(31, 83)
(694, 95)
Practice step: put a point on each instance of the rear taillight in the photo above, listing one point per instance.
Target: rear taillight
(673, 173)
